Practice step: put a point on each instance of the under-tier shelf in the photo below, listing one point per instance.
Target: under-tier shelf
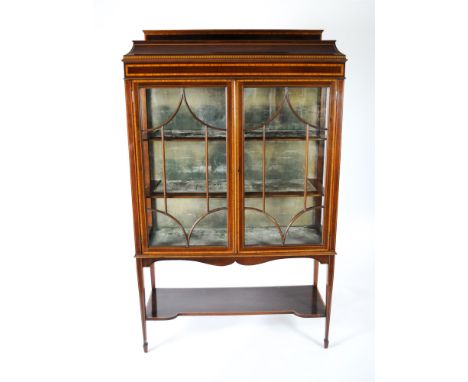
(301, 300)
(217, 188)
(197, 135)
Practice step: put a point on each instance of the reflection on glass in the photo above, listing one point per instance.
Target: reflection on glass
(285, 133)
(184, 143)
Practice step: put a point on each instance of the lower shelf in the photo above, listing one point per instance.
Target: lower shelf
(173, 237)
(168, 303)
(297, 235)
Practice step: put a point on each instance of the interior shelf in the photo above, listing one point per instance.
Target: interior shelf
(301, 300)
(187, 188)
(283, 134)
(184, 134)
(199, 135)
(252, 189)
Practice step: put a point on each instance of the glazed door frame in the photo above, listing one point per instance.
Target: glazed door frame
(235, 169)
(330, 171)
(139, 162)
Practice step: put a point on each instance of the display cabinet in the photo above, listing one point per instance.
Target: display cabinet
(234, 140)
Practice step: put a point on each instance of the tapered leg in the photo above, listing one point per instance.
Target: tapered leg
(316, 270)
(153, 292)
(153, 281)
(330, 275)
(141, 290)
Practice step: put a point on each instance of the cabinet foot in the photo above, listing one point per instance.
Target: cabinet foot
(325, 343)
(145, 347)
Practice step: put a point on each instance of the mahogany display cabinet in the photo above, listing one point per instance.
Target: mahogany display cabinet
(234, 140)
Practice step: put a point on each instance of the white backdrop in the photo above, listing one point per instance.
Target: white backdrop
(66, 208)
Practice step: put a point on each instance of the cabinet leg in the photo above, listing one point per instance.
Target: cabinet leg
(153, 281)
(330, 275)
(316, 270)
(153, 291)
(141, 290)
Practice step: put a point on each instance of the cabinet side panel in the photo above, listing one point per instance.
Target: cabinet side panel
(335, 165)
(131, 150)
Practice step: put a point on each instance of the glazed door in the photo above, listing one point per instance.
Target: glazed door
(185, 138)
(284, 137)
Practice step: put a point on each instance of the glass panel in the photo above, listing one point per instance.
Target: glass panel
(185, 166)
(163, 103)
(208, 105)
(271, 227)
(260, 105)
(184, 146)
(285, 134)
(187, 220)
